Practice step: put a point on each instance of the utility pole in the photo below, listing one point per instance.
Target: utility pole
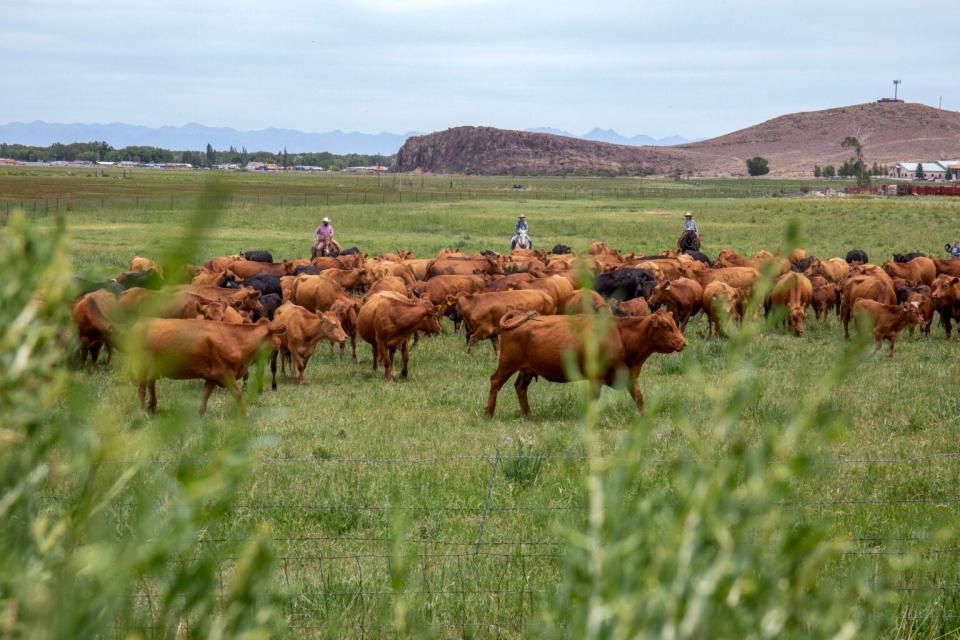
(378, 171)
(896, 85)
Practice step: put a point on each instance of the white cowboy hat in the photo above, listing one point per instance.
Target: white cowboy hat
(522, 216)
(325, 219)
(688, 215)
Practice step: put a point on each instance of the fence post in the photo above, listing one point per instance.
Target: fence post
(486, 501)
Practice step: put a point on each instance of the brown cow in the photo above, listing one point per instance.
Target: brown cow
(682, 297)
(346, 312)
(349, 279)
(826, 296)
(374, 270)
(317, 293)
(303, 330)
(721, 302)
(249, 268)
(557, 286)
(219, 311)
(793, 292)
(207, 277)
(387, 283)
(482, 311)
(833, 270)
(742, 278)
(507, 282)
(388, 321)
(584, 301)
(456, 266)
(538, 346)
(221, 263)
(217, 352)
(918, 270)
(443, 290)
(924, 305)
(352, 261)
(92, 314)
(886, 320)
(948, 267)
(419, 267)
(632, 307)
(598, 248)
(138, 263)
(946, 300)
(864, 287)
(400, 255)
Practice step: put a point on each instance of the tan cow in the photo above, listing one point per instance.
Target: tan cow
(387, 322)
(302, 331)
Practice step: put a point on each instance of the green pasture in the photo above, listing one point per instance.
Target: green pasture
(482, 515)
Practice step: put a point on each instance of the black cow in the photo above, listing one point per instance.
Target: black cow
(264, 283)
(270, 303)
(802, 264)
(308, 269)
(145, 279)
(258, 256)
(350, 251)
(857, 255)
(702, 257)
(625, 284)
(907, 257)
(905, 291)
(561, 249)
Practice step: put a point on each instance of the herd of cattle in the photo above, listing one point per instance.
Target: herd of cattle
(529, 304)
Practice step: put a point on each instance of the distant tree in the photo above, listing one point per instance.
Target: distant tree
(919, 173)
(284, 158)
(829, 171)
(758, 166)
(211, 155)
(858, 165)
(816, 171)
(676, 175)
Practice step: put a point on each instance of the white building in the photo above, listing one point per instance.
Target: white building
(918, 171)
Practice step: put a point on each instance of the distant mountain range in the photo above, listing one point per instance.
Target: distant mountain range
(609, 135)
(194, 136)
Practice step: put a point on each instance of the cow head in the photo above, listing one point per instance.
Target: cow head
(797, 313)
(665, 336)
(660, 295)
(330, 327)
(250, 300)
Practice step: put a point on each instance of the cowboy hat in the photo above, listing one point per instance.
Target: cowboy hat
(522, 216)
(325, 219)
(688, 215)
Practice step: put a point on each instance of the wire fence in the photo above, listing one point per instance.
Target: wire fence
(40, 207)
(484, 563)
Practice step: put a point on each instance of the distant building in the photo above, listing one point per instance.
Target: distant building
(256, 166)
(307, 167)
(927, 171)
(371, 169)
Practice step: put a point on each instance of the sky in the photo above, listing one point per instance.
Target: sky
(697, 69)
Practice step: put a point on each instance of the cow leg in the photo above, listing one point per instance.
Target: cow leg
(892, 340)
(495, 341)
(142, 393)
(109, 350)
(299, 366)
(234, 387)
(207, 390)
(405, 357)
(471, 338)
(521, 384)
(389, 372)
(353, 346)
(635, 392)
(273, 369)
(945, 322)
(497, 380)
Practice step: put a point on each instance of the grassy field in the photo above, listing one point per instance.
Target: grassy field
(345, 446)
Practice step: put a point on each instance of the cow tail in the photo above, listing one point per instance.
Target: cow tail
(513, 319)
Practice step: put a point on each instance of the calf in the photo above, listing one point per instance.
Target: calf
(219, 353)
(864, 287)
(443, 291)
(946, 300)
(682, 297)
(537, 346)
(302, 331)
(826, 296)
(388, 321)
(924, 304)
(920, 269)
(886, 320)
(270, 303)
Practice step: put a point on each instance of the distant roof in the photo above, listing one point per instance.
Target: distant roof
(927, 166)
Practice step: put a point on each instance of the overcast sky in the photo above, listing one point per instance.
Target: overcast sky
(653, 67)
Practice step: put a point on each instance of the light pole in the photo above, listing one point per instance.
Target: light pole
(896, 85)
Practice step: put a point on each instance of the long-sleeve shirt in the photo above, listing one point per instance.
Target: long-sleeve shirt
(324, 231)
(521, 225)
(690, 225)
(954, 251)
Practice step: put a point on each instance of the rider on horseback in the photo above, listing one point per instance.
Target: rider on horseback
(689, 239)
(521, 233)
(325, 239)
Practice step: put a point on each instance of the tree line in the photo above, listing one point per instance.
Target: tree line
(99, 151)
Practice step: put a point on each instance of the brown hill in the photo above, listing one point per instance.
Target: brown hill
(793, 144)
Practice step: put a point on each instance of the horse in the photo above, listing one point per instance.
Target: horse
(688, 241)
(324, 247)
(521, 241)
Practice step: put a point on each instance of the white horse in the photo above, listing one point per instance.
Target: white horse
(521, 240)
